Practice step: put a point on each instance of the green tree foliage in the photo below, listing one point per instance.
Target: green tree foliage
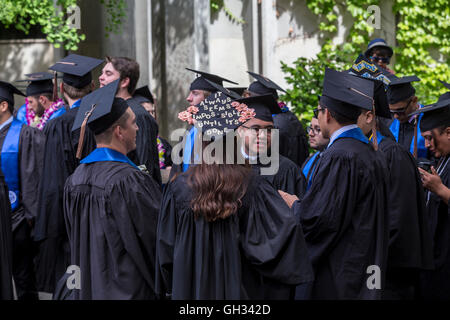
(423, 48)
(54, 21)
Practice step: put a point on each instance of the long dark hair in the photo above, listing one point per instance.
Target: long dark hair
(218, 188)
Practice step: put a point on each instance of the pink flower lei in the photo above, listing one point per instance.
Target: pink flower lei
(31, 115)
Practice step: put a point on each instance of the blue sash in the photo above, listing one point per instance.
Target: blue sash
(308, 169)
(10, 162)
(76, 104)
(58, 113)
(421, 149)
(354, 133)
(22, 114)
(189, 146)
(380, 137)
(107, 154)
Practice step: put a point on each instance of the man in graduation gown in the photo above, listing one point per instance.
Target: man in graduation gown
(22, 150)
(6, 287)
(60, 161)
(261, 148)
(344, 213)
(111, 207)
(127, 70)
(435, 128)
(42, 102)
(317, 142)
(204, 85)
(402, 102)
(293, 140)
(410, 246)
(256, 252)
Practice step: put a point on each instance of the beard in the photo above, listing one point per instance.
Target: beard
(40, 110)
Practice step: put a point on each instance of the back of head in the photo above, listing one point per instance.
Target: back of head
(128, 68)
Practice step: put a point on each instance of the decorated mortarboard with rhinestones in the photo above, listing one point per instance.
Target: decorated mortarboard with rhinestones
(233, 95)
(76, 69)
(217, 115)
(200, 84)
(7, 92)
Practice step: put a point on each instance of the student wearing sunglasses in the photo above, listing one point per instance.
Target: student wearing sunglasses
(380, 53)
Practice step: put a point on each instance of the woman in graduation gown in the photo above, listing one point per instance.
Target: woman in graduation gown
(6, 290)
(224, 232)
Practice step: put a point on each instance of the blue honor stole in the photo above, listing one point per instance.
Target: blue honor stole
(421, 149)
(309, 168)
(354, 133)
(10, 162)
(107, 154)
(188, 148)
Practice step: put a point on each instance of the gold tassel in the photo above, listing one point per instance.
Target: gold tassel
(82, 132)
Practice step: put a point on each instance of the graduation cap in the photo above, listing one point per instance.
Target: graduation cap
(264, 105)
(238, 90)
(263, 85)
(435, 115)
(344, 93)
(200, 84)
(217, 115)
(99, 110)
(401, 89)
(39, 82)
(76, 69)
(143, 94)
(229, 93)
(7, 91)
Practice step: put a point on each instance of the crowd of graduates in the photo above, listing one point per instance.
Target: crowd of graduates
(87, 182)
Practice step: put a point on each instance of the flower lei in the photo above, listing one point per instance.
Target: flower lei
(283, 107)
(39, 122)
(161, 153)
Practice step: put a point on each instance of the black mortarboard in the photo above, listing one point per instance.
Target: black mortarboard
(39, 82)
(238, 90)
(263, 85)
(401, 89)
(200, 84)
(7, 91)
(345, 93)
(217, 87)
(76, 69)
(102, 107)
(434, 115)
(265, 106)
(143, 94)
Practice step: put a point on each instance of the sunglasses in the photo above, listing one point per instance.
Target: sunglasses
(382, 59)
(402, 110)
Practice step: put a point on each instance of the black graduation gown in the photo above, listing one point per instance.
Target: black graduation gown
(31, 155)
(410, 247)
(111, 211)
(6, 289)
(168, 154)
(245, 256)
(59, 163)
(293, 139)
(436, 284)
(146, 148)
(289, 177)
(344, 219)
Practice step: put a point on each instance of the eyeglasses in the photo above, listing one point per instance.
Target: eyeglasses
(382, 59)
(402, 110)
(257, 130)
(316, 112)
(315, 130)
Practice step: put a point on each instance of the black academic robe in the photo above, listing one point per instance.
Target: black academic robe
(257, 253)
(293, 139)
(31, 155)
(410, 247)
(344, 219)
(168, 152)
(111, 211)
(436, 284)
(6, 288)
(146, 152)
(289, 177)
(59, 163)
